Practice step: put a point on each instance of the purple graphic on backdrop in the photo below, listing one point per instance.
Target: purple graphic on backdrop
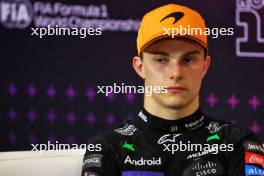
(12, 114)
(51, 116)
(110, 97)
(130, 97)
(90, 93)
(31, 91)
(212, 100)
(71, 117)
(32, 116)
(12, 90)
(255, 127)
(254, 102)
(71, 92)
(90, 119)
(233, 101)
(110, 120)
(51, 91)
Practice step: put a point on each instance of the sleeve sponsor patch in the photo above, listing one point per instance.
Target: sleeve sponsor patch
(254, 158)
(93, 160)
(253, 170)
(253, 146)
(89, 174)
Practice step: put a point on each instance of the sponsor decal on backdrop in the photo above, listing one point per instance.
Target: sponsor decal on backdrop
(21, 14)
(253, 36)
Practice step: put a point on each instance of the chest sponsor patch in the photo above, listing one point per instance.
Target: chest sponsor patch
(253, 146)
(127, 130)
(142, 173)
(253, 170)
(214, 127)
(168, 138)
(254, 158)
(143, 162)
(204, 168)
(202, 153)
(195, 125)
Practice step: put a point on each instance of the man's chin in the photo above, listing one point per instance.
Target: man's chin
(175, 103)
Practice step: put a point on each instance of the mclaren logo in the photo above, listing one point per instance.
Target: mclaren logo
(176, 15)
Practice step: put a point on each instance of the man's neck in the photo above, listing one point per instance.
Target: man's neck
(171, 113)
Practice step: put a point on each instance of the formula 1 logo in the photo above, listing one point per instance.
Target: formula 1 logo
(16, 13)
(248, 16)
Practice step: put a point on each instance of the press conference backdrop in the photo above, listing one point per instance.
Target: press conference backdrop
(48, 85)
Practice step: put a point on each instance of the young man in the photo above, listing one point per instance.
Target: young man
(171, 135)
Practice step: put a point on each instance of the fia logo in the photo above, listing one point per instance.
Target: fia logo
(16, 13)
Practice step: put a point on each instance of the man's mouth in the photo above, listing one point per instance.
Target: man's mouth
(176, 89)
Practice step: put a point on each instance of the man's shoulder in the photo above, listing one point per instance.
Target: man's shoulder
(123, 131)
(230, 131)
(214, 125)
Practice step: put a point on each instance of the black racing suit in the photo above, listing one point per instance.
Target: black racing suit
(196, 145)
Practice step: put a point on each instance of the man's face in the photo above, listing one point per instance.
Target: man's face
(178, 64)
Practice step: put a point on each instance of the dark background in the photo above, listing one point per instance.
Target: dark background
(70, 63)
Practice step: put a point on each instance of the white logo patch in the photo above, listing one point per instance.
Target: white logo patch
(127, 130)
(168, 138)
(214, 127)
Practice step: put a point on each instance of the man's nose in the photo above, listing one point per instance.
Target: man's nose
(176, 71)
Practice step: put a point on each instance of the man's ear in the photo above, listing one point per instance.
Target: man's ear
(138, 66)
(207, 64)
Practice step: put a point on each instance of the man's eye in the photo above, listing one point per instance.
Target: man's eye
(161, 60)
(188, 60)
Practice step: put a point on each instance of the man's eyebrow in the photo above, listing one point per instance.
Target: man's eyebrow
(158, 53)
(191, 53)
